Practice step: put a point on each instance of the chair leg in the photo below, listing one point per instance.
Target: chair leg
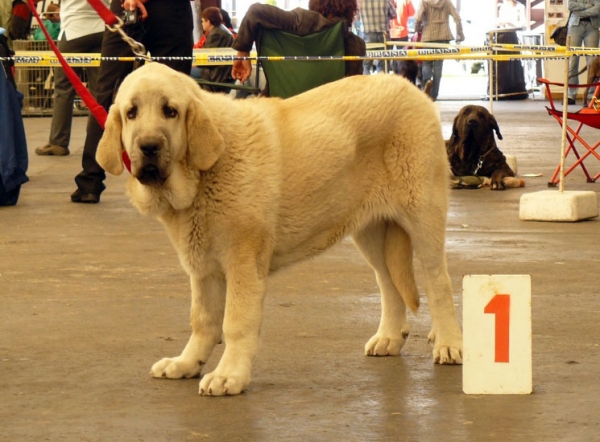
(573, 136)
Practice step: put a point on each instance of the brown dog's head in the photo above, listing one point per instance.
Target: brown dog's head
(473, 128)
(159, 120)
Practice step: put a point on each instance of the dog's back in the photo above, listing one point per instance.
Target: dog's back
(366, 163)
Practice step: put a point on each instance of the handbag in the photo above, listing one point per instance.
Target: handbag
(560, 33)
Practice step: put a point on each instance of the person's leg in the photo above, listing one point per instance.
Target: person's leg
(381, 64)
(436, 74)
(576, 33)
(169, 32)
(62, 116)
(426, 72)
(591, 39)
(90, 180)
(94, 45)
(62, 112)
(370, 37)
(437, 78)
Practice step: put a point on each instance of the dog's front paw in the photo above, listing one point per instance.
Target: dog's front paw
(447, 349)
(498, 185)
(176, 368)
(215, 384)
(382, 345)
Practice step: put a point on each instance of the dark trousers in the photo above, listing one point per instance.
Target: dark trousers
(510, 83)
(64, 92)
(167, 32)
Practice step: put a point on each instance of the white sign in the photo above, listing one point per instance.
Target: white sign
(497, 334)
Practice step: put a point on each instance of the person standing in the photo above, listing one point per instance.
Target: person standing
(583, 30)
(433, 20)
(399, 24)
(509, 75)
(81, 32)
(375, 16)
(165, 28)
(511, 14)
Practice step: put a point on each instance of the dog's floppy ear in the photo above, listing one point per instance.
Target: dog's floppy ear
(205, 143)
(494, 125)
(455, 135)
(110, 149)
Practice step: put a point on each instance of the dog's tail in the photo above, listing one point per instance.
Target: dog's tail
(580, 72)
(399, 261)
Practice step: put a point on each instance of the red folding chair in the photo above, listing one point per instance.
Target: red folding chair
(588, 116)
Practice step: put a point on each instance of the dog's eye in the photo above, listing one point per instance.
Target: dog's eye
(170, 112)
(132, 113)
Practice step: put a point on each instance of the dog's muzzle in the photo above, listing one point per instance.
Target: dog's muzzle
(150, 173)
(472, 123)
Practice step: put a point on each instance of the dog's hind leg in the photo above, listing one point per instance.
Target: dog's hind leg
(396, 283)
(427, 233)
(206, 317)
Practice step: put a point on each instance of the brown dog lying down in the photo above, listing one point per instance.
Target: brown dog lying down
(472, 148)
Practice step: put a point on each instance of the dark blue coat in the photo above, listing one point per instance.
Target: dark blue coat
(13, 144)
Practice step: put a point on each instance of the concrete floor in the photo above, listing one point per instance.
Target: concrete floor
(92, 296)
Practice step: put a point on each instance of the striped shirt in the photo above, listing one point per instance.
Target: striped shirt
(376, 15)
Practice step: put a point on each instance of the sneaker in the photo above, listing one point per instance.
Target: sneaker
(52, 149)
(571, 100)
(86, 198)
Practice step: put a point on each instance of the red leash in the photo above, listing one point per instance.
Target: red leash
(106, 14)
(97, 111)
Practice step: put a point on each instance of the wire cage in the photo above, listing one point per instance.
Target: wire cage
(37, 83)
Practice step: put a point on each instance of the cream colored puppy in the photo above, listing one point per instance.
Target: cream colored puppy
(246, 187)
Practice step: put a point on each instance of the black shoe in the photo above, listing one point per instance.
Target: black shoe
(571, 100)
(86, 198)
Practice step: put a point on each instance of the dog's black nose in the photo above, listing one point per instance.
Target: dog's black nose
(149, 150)
(472, 122)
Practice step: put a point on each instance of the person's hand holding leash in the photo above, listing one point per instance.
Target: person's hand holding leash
(131, 5)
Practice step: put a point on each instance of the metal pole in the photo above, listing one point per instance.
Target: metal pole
(563, 144)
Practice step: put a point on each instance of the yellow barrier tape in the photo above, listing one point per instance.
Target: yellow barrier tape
(425, 52)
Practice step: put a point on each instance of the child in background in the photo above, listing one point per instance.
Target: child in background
(51, 22)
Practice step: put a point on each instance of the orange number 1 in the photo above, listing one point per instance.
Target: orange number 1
(500, 306)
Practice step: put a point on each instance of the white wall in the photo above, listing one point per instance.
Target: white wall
(237, 8)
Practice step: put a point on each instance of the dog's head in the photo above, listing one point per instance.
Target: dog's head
(474, 128)
(158, 118)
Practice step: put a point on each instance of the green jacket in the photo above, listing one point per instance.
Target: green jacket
(53, 30)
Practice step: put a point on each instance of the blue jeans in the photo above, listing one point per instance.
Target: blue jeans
(373, 37)
(587, 34)
(432, 70)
